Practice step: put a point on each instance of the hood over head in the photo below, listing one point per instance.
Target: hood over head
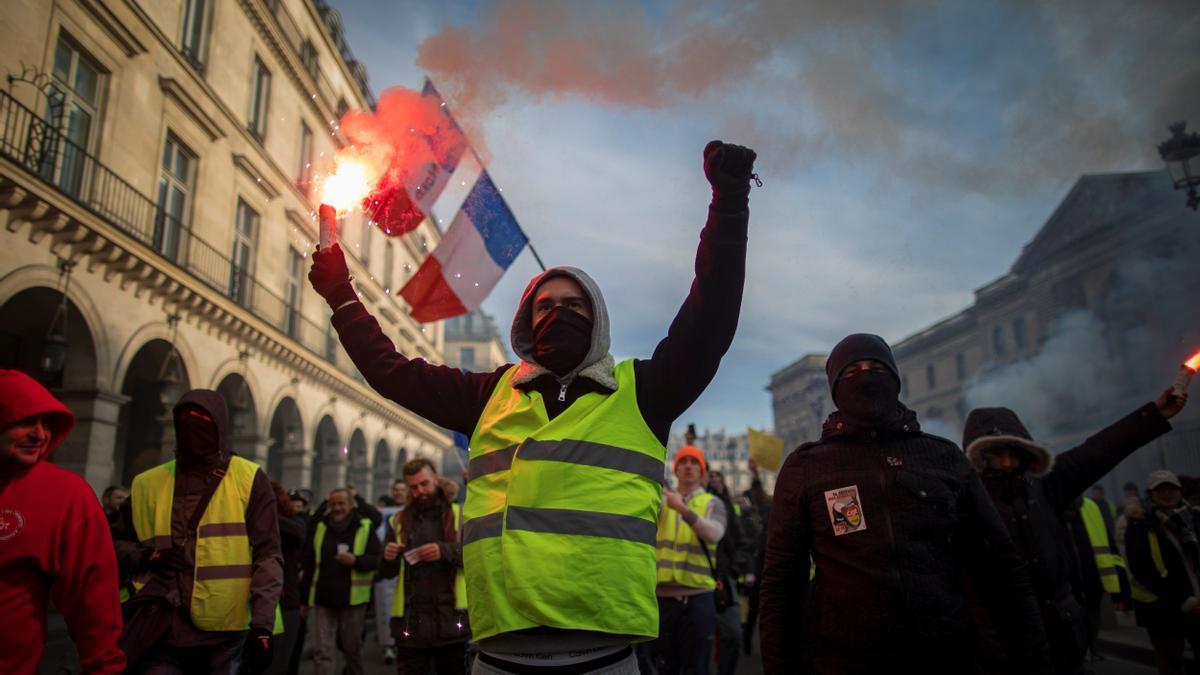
(21, 396)
(987, 428)
(597, 365)
(193, 450)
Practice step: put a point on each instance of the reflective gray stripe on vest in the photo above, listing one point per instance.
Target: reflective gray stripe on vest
(682, 547)
(587, 523)
(222, 530)
(594, 454)
(685, 566)
(492, 462)
(224, 572)
(160, 541)
(483, 527)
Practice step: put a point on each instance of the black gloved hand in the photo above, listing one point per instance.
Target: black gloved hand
(330, 277)
(256, 653)
(729, 168)
(162, 560)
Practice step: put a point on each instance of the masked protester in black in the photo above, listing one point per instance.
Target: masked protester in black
(560, 333)
(891, 517)
(201, 466)
(1033, 491)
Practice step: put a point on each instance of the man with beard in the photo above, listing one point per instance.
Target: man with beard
(891, 518)
(201, 533)
(1033, 490)
(337, 569)
(567, 447)
(429, 623)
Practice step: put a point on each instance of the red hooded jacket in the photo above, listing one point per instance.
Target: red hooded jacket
(54, 543)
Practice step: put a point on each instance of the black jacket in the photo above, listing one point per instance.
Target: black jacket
(292, 535)
(682, 365)
(333, 583)
(1170, 590)
(888, 592)
(194, 476)
(1034, 511)
(430, 618)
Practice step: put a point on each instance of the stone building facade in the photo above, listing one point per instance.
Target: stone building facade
(158, 163)
(725, 452)
(472, 342)
(1093, 319)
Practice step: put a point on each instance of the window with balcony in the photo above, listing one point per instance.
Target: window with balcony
(260, 98)
(960, 366)
(308, 57)
(304, 170)
(466, 358)
(72, 117)
(294, 292)
(241, 272)
(175, 185)
(998, 344)
(191, 43)
(931, 377)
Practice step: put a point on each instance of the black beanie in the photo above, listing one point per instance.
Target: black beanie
(857, 347)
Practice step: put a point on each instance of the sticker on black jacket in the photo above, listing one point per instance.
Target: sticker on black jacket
(845, 510)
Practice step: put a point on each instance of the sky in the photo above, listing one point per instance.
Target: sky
(908, 150)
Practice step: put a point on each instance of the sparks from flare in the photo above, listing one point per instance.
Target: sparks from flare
(1193, 363)
(349, 184)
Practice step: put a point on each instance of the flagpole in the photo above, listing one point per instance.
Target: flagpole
(528, 241)
(533, 250)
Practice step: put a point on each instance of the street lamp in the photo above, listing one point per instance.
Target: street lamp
(54, 347)
(1181, 152)
(170, 383)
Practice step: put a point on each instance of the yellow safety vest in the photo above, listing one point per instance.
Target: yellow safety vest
(460, 582)
(360, 582)
(681, 559)
(561, 514)
(224, 564)
(1107, 558)
(1140, 592)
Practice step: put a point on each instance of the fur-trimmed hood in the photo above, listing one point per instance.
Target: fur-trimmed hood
(596, 366)
(987, 428)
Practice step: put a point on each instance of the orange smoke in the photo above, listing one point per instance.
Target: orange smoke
(405, 132)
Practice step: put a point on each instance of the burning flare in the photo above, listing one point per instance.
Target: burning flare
(349, 185)
(1193, 364)
(1186, 372)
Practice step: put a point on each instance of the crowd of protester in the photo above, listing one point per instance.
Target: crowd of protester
(883, 548)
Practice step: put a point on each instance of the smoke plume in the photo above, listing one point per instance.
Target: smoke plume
(1069, 87)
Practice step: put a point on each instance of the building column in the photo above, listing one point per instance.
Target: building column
(297, 467)
(252, 447)
(89, 449)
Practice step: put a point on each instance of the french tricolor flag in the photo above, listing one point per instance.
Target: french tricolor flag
(482, 242)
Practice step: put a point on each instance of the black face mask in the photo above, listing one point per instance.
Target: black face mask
(197, 443)
(561, 339)
(869, 398)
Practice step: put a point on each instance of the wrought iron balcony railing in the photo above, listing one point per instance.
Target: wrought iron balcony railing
(45, 151)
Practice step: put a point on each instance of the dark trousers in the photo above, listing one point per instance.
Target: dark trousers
(729, 638)
(220, 659)
(751, 619)
(1168, 646)
(281, 646)
(444, 660)
(685, 635)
